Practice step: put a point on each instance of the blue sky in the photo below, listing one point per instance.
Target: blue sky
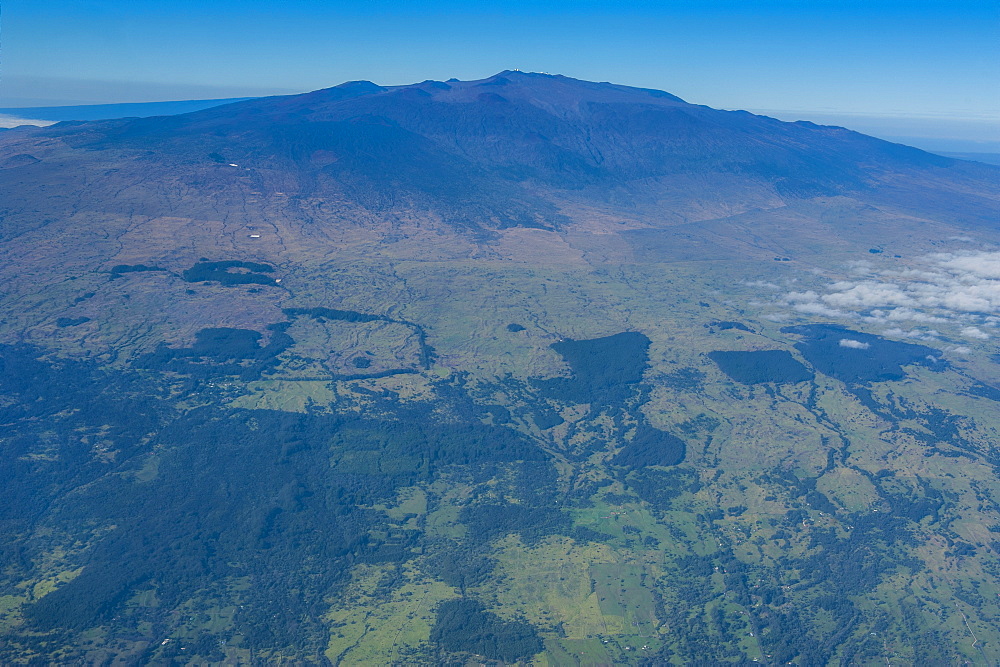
(924, 59)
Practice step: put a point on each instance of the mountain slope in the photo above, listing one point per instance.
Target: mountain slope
(519, 369)
(119, 110)
(487, 153)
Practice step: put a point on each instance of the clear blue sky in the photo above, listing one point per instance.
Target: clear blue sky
(924, 58)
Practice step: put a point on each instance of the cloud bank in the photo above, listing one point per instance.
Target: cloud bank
(961, 288)
(7, 121)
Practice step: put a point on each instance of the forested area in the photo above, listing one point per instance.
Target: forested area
(230, 272)
(263, 509)
(761, 366)
(184, 503)
(605, 370)
(463, 626)
(864, 358)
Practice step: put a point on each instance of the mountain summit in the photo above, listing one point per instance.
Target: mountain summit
(506, 150)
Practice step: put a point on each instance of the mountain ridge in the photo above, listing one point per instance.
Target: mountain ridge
(491, 153)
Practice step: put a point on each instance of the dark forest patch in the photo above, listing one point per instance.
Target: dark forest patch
(463, 626)
(725, 325)
(253, 488)
(231, 272)
(64, 322)
(321, 314)
(605, 370)
(262, 496)
(460, 565)
(224, 344)
(864, 357)
(985, 391)
(759, 366)
(546, 419)
(659, 488)
(62, 401)
(651, 447)
(222, 351)
(121, 269)
(487, 521)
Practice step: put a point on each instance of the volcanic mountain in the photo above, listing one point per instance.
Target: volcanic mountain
(519, 369)
(500, 152)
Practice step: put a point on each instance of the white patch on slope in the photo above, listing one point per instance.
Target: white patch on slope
(8, 122)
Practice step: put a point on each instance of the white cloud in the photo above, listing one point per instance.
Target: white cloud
(762, 283)
(7, 121)
(854, 344)
(801, 297)
(982, 264)
(957, 287)
(820, 309)
(975, 332)
(902, 315)
(928, 334)
(870, 295)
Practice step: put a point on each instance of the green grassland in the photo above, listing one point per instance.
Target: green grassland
(549, 585)
(372, 630)
(582, 652)
(829, 531)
